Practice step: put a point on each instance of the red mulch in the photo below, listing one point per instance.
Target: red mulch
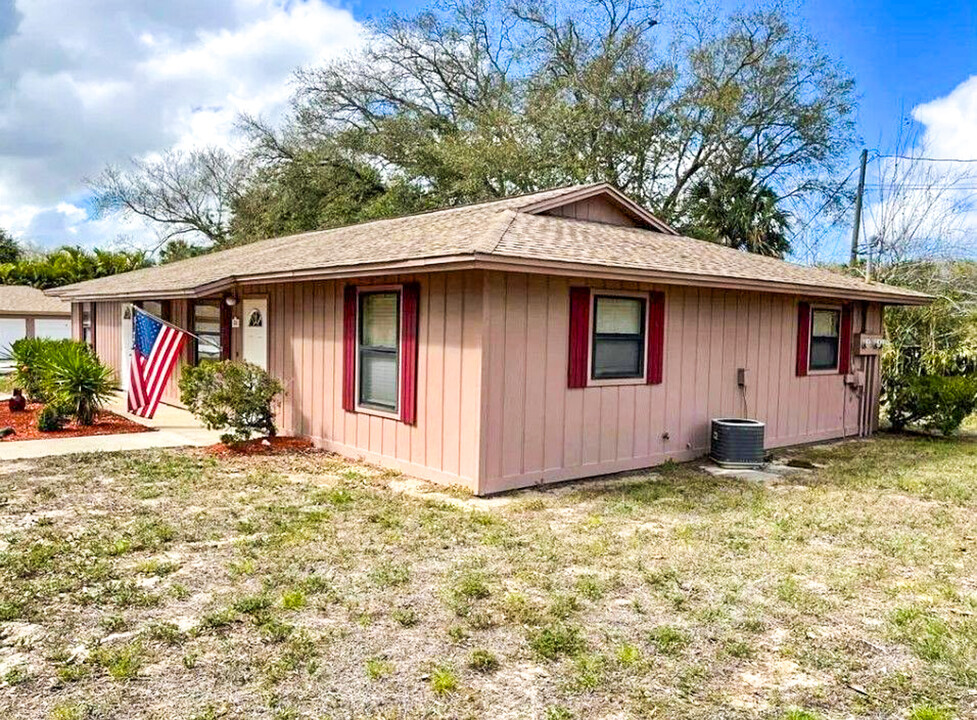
(261, 446)
(25, 425)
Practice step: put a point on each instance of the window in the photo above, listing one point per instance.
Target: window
(618, 348)
(824, 339)
(87, 323)
(378, 353)
(207, 327)
(155, 307)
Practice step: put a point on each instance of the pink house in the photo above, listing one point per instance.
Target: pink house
(558, 335)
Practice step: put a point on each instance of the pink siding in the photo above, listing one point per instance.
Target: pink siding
(538, 430)
(306, 341)
(493, 407)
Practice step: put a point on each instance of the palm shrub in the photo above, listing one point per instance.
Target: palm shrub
(232, 396)
(28, 355)
(75, 380)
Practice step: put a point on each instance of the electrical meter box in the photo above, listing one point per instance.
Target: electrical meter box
(866, 344)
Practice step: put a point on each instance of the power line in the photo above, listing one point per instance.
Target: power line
(827, 202)
(923, 158)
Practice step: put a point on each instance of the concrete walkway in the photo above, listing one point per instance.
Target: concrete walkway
(173, 428)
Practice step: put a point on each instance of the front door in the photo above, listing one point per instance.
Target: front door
(254, 331)
(126, 343)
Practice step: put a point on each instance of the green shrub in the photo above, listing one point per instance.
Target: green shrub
(233, 396)
(73, 378)
(51, 418)
(932, 402)
(27, 355)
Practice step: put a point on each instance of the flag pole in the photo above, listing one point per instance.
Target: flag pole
(158, 319)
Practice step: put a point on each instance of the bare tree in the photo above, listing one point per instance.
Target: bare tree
(918, 208)
(185, 195)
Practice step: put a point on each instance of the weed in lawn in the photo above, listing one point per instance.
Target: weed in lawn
(294, 599)
(405, 617)
(252, 604)
(628, 655)
(929, 712)
(590, 587)
(589, 671)
(668, 639)
(113, 623)
(378, 667)
(164, 632)
(555, 640)
(457, 633)
(443, 679)
(122, 662)
(558, 712)
(275, 631)
(70, 711)
(482, 660)
(388, 574)
(157, 567)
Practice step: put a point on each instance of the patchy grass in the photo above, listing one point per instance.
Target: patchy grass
(302, 586)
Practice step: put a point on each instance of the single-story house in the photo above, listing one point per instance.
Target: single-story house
(26, 312)
(535, 339)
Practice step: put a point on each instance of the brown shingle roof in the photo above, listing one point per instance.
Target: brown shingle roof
(489, 232)
(24, 300)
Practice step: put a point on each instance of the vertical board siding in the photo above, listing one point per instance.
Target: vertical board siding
(539, 430)
(305, 338)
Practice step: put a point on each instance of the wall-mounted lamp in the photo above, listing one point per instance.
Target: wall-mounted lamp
(230, 300)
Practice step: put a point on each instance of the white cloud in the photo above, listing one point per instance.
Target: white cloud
(87, 83)
(951, 122)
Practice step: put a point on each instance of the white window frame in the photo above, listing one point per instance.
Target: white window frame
(607, 382)
(372, 409)
(810, 341)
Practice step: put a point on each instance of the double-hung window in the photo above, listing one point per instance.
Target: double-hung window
(207, 328)
(618, 343)
(378, 349)
(825, 331)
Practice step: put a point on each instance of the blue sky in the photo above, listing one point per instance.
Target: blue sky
(83, 83)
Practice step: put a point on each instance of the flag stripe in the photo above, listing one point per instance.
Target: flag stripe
(155, 350)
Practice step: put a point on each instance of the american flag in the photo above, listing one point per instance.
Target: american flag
(155, 348)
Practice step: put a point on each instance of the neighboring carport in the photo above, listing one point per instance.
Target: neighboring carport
(28, 312)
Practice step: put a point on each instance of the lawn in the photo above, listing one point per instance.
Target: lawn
(174, 585)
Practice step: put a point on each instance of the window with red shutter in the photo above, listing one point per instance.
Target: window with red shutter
(844, 346)
(656, 338)
(349, 348)
(803, 337)
(579, 337)
(410, 310)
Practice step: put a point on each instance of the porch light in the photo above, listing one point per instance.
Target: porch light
(230, 300)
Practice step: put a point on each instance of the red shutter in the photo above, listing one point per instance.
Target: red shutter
(579, 337)
(225, 321)
(656, 338)
(844, 341)
(410, 306)
(803, 336)
(349, 348)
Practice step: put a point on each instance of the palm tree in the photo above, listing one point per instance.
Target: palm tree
(733, 212)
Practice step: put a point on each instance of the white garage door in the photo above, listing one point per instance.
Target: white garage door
(53, 328)
(11, 329)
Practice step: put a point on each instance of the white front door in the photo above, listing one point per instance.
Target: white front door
(254, 331)
(126, 343)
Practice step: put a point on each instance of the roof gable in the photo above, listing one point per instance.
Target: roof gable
(590, 197)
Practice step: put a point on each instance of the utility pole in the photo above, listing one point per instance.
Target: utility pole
(858, 210)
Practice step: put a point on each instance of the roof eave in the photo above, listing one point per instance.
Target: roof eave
(486, 261)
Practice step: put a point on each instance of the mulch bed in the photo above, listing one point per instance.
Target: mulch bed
(261, 446)
(25, 425)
